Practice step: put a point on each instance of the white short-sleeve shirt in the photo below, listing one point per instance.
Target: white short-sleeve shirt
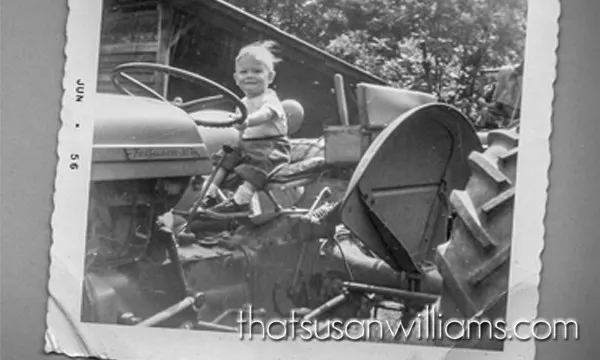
(276, 127)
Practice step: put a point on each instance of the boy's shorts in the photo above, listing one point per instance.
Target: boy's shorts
(254, 159)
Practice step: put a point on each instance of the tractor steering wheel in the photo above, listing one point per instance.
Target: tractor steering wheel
(217, 121)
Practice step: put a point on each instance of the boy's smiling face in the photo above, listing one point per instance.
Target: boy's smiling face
(252, 76)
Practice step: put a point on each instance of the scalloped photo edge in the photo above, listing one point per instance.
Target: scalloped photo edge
(67, 334)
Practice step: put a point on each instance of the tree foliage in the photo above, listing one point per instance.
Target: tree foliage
(436, 46)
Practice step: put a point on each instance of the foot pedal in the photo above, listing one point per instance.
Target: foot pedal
(208, 242)
(186, 238)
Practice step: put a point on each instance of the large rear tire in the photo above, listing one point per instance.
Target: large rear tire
(474, 263)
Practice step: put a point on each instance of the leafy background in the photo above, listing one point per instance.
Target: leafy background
(436, 46)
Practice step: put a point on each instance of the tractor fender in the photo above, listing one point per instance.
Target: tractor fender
(396, 202)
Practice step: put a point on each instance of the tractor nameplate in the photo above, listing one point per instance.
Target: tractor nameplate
(154, 153)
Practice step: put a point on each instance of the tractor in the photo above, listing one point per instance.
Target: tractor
(424, 218)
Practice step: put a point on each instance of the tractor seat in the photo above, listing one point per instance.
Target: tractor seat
(307, 161)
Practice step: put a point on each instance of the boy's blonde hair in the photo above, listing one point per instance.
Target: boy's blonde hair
(262, 51)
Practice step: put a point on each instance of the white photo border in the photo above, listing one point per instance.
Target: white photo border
(65, 332)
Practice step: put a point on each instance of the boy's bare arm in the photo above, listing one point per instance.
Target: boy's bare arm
(263, 115)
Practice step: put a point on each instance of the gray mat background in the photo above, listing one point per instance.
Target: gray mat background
(33, 35)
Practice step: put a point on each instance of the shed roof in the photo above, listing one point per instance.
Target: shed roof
(309, 52)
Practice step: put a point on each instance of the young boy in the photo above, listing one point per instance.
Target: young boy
(263, 142)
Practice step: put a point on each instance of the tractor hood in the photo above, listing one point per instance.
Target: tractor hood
(137, 137)
(396, 202)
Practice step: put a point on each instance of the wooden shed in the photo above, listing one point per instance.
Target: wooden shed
(203, 36)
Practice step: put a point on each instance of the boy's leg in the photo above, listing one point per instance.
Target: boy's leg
(223, 163)
(240, 202)
(261, 157)
(253, 178)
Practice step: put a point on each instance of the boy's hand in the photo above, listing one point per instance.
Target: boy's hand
(242, 126)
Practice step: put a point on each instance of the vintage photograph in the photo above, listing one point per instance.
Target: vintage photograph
(305, 170)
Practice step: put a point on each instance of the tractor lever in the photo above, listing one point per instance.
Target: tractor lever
(255, 312)
(340, 93)
(323, 195)
(216, 175)
(191, 301)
